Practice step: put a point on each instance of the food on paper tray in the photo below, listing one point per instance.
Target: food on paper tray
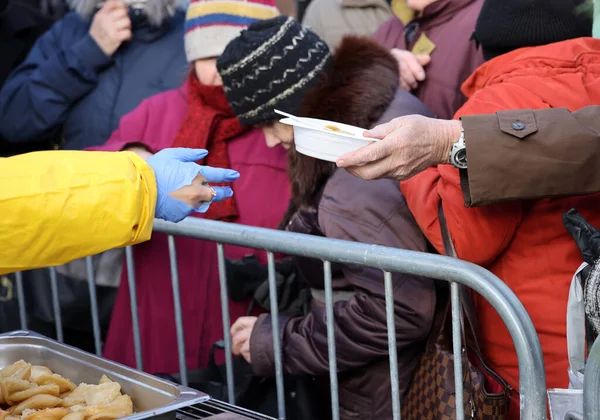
(36, 393)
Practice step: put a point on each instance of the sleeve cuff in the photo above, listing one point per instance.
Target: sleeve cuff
(90, 54)
(261, 345)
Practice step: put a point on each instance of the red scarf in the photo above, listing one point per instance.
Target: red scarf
(209, 123)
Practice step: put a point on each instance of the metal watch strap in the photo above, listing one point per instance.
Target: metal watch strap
(458, 153)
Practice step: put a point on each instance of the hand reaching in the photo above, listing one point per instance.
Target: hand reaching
(182, 184)
(408, 146)
(111, 26)
(241, 331)
(412, 70)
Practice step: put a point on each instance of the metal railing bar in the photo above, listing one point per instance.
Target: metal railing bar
(226, 325)
(93, 304)
(532, 387)
(274, 304)
(178, 315)
(56, 306)
(457, 350)
(392, 349)
(21, 299)
(331, 349)
(135, 321)
(591, 384)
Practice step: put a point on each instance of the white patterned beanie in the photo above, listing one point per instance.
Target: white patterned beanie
(270, 66)
(211, 24)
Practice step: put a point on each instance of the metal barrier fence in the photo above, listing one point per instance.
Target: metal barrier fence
(591, 385)
(532, 386)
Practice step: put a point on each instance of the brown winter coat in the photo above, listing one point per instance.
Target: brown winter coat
(449, 24)
(335, 204)
(555, 154)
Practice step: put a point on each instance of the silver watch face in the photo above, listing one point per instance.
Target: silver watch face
(459, 157)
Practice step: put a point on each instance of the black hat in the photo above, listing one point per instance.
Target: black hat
(270, 66)
(506, 25)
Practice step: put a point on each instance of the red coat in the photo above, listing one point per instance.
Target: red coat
(524, 242)
(262, 195)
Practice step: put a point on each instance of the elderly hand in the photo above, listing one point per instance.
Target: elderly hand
(182, 184)
(241, 331)
(411, 68)
(409, 145)
(111, 26)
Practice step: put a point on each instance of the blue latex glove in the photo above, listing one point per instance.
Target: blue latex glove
(175, 168)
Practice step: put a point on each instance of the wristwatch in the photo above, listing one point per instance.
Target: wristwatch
(458, 154)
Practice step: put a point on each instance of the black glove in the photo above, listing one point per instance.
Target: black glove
(586, 236)
(244, 276)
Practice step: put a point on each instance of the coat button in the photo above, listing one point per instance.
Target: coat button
(518, 125)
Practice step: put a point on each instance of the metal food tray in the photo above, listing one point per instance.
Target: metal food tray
(152, 397)
(218, 409)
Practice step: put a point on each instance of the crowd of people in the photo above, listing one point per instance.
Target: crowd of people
(187, 94)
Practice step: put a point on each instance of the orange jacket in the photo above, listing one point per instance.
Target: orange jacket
(524, 243)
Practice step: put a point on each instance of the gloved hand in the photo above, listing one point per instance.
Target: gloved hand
(586, 236)
(177, 175)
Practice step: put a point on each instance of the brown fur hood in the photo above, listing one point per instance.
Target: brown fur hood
(357, 88)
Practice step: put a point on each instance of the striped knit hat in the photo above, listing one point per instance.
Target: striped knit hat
(211, 24)
(270, 66)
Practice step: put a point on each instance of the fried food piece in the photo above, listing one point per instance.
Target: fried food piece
(3, 414)
(105, 379)
(48, 414)
(28, 412)
(123, 403)
(102, 394)
(103, 413)
(37, 402)
(74, 416)
(77, 396)
(121, 406)
(50, 389)
(9, 386)
(37, 371)
(18, 370)
(64, 384)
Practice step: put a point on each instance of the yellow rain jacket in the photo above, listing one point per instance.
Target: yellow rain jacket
(58, 206)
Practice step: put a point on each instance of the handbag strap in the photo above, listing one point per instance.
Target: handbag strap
(466, 299)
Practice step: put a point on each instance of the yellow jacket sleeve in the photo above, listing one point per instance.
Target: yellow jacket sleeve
(58, 206)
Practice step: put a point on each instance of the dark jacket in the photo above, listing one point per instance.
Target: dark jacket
(509, 162)
(22, 22)
(337, 205)
(449, 24)
(68, 87)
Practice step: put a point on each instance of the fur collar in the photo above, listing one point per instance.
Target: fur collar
(157, 11)
(357, 88)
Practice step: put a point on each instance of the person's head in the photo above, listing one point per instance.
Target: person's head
(156, 12)
(506, 25)
(419, 5)
(211, 24)
(277, 133)
(270, 66)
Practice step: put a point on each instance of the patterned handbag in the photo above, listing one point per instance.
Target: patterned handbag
(431, 395)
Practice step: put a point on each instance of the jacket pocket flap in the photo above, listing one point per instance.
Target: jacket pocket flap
(519, 123)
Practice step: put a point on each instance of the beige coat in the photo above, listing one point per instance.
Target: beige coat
(332, 19)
